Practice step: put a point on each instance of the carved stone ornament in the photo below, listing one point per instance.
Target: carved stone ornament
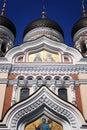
(44, 102)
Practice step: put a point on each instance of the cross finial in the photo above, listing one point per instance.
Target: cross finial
(3, 9)
(44, 10)
(83, 9)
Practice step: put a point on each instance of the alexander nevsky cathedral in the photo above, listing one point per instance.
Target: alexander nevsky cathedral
(43, 81)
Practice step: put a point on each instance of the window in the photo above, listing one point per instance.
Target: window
(24, 93)
(48, 78)
(3, 47)
(30, 77)
(39, 78)
(66, 78)
(20, 58)
(62, 92)
(66, 59)
(57, 77)
(21, 77)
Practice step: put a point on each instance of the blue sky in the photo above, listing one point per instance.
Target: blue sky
(64, 12)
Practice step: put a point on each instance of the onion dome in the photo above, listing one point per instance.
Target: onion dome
(82, 23)
(42, 23)
(8, 24)
(7, 32)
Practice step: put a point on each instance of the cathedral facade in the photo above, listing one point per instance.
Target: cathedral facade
(43, 78)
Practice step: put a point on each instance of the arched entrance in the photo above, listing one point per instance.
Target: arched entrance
(44, 103)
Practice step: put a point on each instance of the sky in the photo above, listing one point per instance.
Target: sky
(64, 12)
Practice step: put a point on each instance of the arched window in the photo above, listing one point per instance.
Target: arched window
(39, 78)
(48, 77)
(24, 93)
(57, 77)
(66, 59)
(30, 77)
(66, 78)
(62, 93)
(21, 77)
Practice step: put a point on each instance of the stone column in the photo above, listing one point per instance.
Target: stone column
(53, 86)
(14, 95)
(73, 96)
(34, 85)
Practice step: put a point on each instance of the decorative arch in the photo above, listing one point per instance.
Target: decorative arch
(39, 77)
(20, 77)
(29, 77)
(44, 102)
(66, 77)
(57, 77)
(40, 44)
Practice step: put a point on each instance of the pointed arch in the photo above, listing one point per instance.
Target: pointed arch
(44, 102)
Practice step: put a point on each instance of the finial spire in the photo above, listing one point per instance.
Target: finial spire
(44, 10)
(3, 9)
(84, 10)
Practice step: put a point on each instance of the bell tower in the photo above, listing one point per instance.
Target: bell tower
(7, 32)
(79, 32)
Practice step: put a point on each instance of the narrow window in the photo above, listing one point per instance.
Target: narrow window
(24, 93)
(62, 92)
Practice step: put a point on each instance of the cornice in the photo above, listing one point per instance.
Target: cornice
(48, 69)
(40, 69)
(27, 83)
(5, 67)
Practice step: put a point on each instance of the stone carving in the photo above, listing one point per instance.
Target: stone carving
(45, 100)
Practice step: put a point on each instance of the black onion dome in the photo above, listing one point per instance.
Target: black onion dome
(79, 25)
(43, 23)
(8, 24)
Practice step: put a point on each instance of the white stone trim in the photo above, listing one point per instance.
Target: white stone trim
(7, 32)
(43, 42)
(14, 94)
(79, 33)
(40, 31)
(46, 97)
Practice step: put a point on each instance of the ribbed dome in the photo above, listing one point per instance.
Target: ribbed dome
(43, 23)
(79, 25)
(8, 24)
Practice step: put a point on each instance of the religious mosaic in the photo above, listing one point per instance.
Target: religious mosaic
(44, 56)
(44, 123)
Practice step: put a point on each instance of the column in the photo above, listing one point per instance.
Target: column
(34, 85)
(73, 96)
(14, 95)
(53, 87)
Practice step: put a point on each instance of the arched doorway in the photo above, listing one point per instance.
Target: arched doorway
(40, 104)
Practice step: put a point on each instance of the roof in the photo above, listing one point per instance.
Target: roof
(8, 24)
(81, 23)
(43, 22)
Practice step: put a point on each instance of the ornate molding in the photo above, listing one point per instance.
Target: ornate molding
(40, 31)
(43, 99)
(48, 69)
(27, 83)
(43, 43)
(5, 68)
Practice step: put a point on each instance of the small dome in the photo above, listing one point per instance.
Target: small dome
(79, 25)
(8, 24)
(43, 22)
